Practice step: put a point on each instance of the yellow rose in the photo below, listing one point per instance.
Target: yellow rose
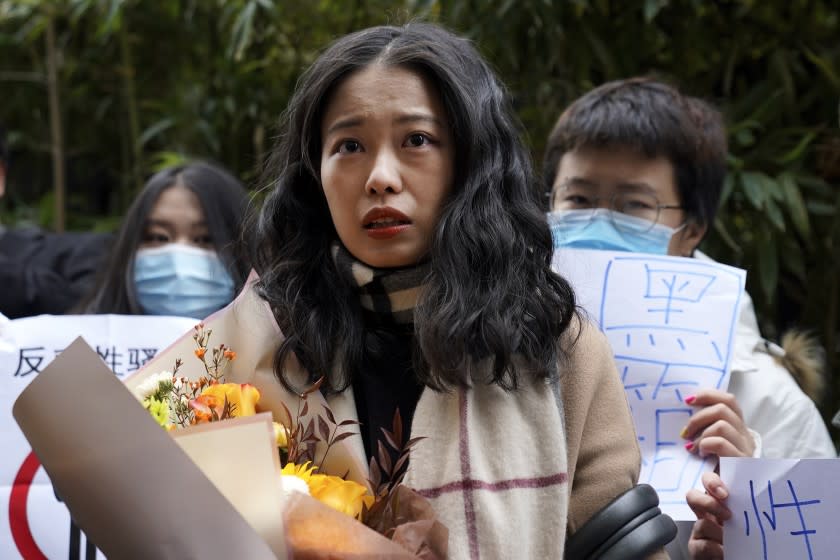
(342, 495)
(243, 398)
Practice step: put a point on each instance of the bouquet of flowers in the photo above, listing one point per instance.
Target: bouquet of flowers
(387, 506)
(210, 483)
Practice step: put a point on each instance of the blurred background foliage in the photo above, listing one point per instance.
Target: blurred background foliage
(97, 94)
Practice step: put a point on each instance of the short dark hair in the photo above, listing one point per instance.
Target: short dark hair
(492, 225)
(657, 120)
(224, 201)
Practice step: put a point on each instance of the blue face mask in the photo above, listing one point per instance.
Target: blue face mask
(178, 279)
(607, 230)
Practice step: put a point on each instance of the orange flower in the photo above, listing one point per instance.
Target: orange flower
(199, 352)
(243, 399)
(230, 355)
(206, 407)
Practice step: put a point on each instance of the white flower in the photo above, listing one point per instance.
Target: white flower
(293, 483)
(151, 384)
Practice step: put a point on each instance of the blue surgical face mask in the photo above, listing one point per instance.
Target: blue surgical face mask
(607, 230)
(178, 279)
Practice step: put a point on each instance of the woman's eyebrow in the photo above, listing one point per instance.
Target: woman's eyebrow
(158, 222)
(347, 122)
(418, 117)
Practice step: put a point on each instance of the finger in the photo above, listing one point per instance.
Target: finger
(704, 504)
(707, 397)
(707, 416)
(719, 446)
(723, 440)
(702, 549)
(707, 529)
(714, 485)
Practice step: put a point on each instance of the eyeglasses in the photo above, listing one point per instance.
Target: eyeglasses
(642, 205)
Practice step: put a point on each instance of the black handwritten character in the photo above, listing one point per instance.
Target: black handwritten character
(138, 357)
(111, 358)
(29, 361)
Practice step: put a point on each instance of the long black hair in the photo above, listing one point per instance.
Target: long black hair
(490, 294)
(224, 202)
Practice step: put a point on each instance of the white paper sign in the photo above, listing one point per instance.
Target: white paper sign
(33, 522)
(671, 324)
(782, 508)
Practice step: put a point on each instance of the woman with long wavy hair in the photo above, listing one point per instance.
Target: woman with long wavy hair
(406, 259)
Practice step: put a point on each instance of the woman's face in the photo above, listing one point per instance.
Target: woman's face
(176, 217)
(387, 164)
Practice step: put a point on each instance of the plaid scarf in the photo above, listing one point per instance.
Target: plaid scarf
(388, 294)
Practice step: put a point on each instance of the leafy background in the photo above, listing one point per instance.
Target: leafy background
(97, 94)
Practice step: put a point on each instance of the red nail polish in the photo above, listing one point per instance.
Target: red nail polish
(691, 399)
(689, 446)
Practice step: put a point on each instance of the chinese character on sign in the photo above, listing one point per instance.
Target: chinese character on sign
(138, 357)
(763, 518)
(29, 361)
(111, 358)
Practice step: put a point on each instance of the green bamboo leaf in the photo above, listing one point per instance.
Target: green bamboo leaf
(113, 19)
(504, 8)
(797, 150)
(772, 187)
(652, 8)
(727, 238)
(780, 66)
(752, 185)
(819, 208)
(726, 192)
(601, 51)
(824, 66)
(243, 28)
(795, 204)
(155, 130)
(814, 184)
(768, 265)
(794, 260)
(775, 215)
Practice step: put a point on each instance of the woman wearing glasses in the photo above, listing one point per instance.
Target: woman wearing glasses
(636, 166)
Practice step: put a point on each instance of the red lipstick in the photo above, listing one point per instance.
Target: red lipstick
(385, 222)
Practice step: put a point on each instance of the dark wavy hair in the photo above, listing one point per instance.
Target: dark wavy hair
(491, 293)
(224, 201)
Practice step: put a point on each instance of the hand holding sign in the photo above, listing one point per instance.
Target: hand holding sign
(717, 427)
